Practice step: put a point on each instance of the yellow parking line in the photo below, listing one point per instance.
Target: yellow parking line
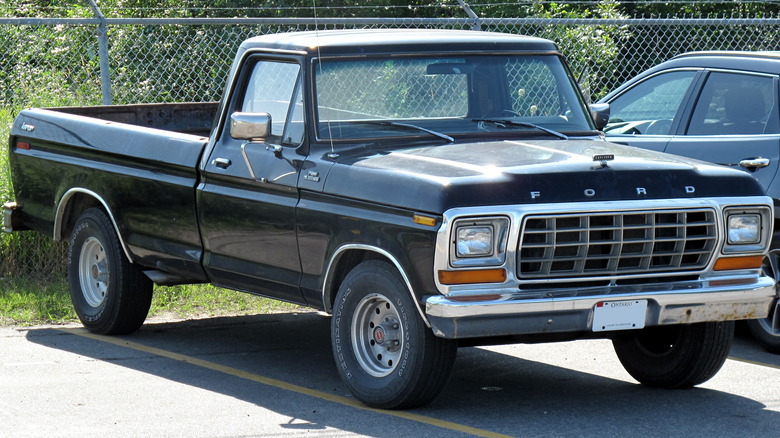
(280, 384)
(752, 362)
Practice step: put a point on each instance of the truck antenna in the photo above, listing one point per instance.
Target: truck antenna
(332, 154)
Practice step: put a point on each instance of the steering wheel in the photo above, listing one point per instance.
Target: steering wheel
(502, 113)
(659, 127)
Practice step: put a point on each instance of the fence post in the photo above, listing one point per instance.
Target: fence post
(471, 14)
(102, 34)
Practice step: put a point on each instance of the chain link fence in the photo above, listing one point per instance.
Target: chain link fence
(89, 61)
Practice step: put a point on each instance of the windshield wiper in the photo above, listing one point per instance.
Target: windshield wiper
(410, 126)
(505, 122)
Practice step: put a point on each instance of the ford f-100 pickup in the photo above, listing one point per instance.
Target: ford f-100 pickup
(428, 189)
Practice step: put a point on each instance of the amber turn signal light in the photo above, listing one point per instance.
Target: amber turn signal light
(731, 263)
(471, 277)
(424, 220)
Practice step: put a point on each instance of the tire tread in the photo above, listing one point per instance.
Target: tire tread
(436, 356)
(697, 358)
(128, 306)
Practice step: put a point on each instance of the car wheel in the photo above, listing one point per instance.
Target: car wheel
(676, 356)
(110, 294)
(766, 331)
(386, 355)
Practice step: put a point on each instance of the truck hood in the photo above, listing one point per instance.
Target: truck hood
(436, 178)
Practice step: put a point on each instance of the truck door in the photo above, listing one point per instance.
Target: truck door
(248, 193)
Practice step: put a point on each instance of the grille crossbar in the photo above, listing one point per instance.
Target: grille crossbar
(602, 244)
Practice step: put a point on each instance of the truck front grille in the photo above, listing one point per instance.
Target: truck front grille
(603, 244)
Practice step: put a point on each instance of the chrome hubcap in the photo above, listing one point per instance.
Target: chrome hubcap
(378, 335)
(93, 272)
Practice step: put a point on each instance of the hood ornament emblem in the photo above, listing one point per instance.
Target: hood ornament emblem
(603, 159)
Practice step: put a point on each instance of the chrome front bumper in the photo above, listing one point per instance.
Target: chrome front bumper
(570, 311)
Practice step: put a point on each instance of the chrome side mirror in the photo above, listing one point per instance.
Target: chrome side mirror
(599, 112)
(255, 127)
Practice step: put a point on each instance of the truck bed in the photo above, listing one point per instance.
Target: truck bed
(186, 118)
(139, 161)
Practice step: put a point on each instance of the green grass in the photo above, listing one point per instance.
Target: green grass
(26, 302)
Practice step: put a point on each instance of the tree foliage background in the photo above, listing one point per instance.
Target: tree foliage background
(382, 8)
(56, 65)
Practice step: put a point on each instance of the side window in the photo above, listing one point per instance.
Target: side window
(274, 88)
(649, 107)
(733, 103)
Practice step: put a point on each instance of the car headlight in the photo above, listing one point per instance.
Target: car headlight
(479, 241)
(744, 229)
(747, 229)
(474, 241)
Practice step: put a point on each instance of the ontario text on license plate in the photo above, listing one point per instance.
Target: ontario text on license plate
(619, 315)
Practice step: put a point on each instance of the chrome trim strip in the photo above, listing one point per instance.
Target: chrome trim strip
(337, 255)
(63, 204)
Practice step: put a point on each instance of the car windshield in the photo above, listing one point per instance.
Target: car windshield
(446, 96)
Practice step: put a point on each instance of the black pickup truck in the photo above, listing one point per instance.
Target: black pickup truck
(428, 189)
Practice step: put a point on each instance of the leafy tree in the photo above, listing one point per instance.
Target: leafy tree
(728, 8)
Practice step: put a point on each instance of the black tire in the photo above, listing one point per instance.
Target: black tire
(766, 331)
(676, 356)
(384, 352)
(111, 295)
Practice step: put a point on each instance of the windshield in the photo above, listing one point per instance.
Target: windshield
(450, 96)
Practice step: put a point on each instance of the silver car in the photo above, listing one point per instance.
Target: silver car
(720, 107)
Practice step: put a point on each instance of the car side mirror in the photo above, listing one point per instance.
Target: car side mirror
(255, 127)
(599, 112)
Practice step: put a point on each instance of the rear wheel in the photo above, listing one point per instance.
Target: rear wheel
(384, 352)
(110, 294)
(676, 356)
(766, 331)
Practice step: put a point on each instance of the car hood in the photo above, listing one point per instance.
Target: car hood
(436, 178)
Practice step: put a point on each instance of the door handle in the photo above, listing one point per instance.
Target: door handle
(754, 163)
(222, 163)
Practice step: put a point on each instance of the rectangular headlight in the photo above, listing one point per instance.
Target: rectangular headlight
(748, 229)
(474, 241)
(744, 229)
(479, 241)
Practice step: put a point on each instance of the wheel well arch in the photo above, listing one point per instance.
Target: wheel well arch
(347, 258)
(74, 202)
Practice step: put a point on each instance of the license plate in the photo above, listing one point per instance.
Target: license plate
(619, 315)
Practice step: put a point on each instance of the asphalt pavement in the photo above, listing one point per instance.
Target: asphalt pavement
(273, 375)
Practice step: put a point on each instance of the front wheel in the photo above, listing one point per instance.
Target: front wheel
(110, 294)
(384, 352)
(676, 356)
(766, 331)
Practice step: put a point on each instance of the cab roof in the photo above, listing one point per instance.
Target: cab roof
(381, 41)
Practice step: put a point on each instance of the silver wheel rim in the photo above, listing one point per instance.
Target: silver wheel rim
(771, 324)
(378, 335)
(93, 271)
